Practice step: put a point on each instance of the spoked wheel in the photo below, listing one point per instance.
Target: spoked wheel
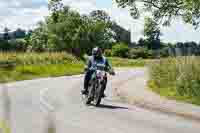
(97, 101)
(89, 97)
(98, 96)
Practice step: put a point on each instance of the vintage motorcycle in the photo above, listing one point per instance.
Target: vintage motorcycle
(97, 84)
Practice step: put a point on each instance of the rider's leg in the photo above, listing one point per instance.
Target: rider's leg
(86, 81)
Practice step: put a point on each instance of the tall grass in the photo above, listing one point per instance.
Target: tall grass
(37, 58)
(122, 62)
(177, 78)
(22, 66)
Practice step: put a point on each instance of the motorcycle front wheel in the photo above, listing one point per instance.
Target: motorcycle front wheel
(98, 95)
(89, 96)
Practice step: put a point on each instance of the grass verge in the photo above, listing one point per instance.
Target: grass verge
(39, 71)
(177, 78)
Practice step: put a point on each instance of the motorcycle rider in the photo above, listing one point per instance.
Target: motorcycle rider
(97, 57)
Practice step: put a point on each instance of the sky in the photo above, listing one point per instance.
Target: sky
(27, 13)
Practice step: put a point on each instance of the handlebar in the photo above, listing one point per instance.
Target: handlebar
(111, 72)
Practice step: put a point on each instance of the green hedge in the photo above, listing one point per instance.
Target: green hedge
(120, 50)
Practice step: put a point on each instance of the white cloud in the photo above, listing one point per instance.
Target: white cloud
(83, 6)
(21, 13)
(23, 3)
(124, 19)
(179, 31)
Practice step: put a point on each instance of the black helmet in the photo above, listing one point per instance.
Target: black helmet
(97, 52)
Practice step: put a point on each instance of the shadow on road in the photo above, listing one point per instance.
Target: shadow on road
(111, 107)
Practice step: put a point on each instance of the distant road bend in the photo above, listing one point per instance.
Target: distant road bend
(37, 106)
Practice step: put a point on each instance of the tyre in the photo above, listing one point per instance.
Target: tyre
(97, 102)
(88, 101)
(90, 95)
(98, 96)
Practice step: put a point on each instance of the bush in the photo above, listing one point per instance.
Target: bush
(139, 53)
(108, 52)
(164, 52)
(120, 50)
(35, 58)
(13, 45)
(18, 45)
(121, 62)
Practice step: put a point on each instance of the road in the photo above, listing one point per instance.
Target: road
(38, 105)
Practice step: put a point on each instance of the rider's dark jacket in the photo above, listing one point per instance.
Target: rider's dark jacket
(91, 63)
(102, 60)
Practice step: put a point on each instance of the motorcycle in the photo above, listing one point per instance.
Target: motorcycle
(97, 85)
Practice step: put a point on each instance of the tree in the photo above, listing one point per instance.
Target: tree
(55, 6)
(121, 34)
(152, 32)
(67, 30)
(39, 38)
(101, 19)
(120, 50)
(28, 37)
(151, 29)
(165, 10)
(100, 15)
(142, 43)
(19, 33)
(68, 33)
(6, 34)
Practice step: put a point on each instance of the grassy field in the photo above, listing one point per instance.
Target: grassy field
(38, 71)
(120, 62)
(23, 66)
(177, 78)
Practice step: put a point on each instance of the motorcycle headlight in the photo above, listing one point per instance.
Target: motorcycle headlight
(100, 74)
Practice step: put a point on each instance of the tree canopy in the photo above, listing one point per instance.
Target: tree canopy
(67, 30)
(151, 29)
(165, 10)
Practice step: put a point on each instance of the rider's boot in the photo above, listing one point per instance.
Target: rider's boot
(84, 91)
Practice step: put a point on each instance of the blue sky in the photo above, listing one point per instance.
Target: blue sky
(26, 14)
(104, 3)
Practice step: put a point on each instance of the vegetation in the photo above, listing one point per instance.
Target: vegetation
(121, 62)
(120, 50)
(37, 58)
(177, 78)
(69, 31)
(163, 11)
(140, 53)
(38, 71)
(151, 29)
(56, 46)
(22, 66)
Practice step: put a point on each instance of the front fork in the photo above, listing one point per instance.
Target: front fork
(98, 87)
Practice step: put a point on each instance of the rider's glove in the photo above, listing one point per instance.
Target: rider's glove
(112, 72)
(85, 69)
